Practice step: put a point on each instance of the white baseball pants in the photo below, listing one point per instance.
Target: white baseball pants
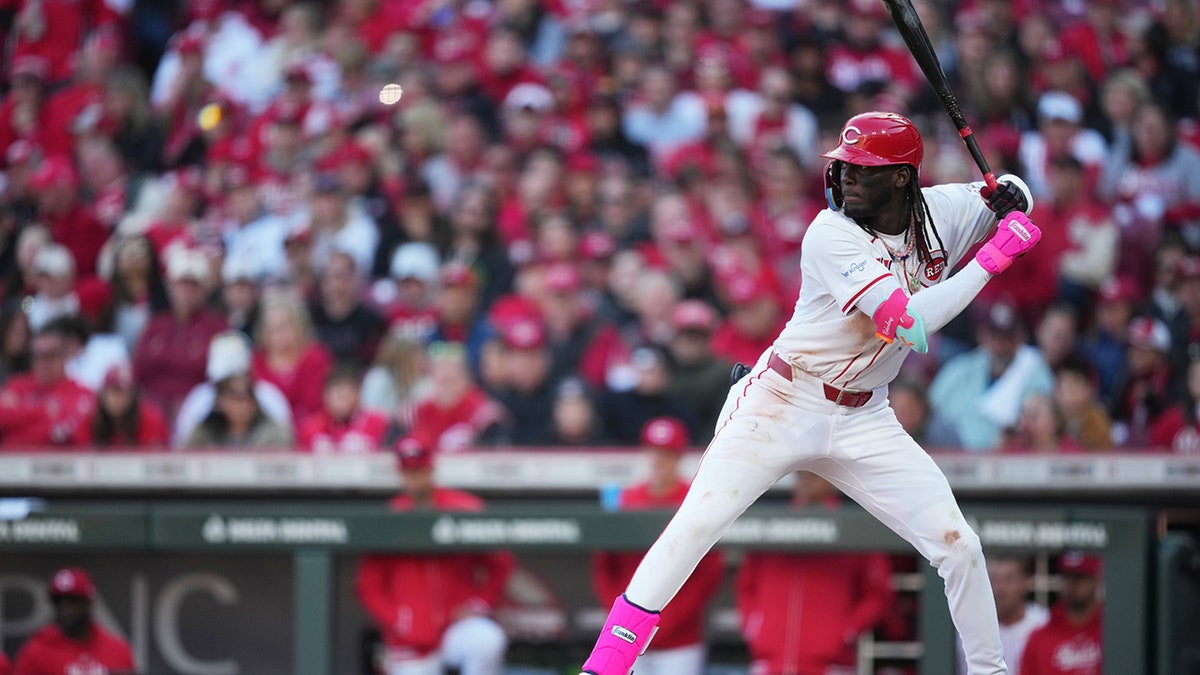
(771, 427)
(475, 645)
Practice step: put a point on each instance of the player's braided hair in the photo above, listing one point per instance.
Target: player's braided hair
(917, 211)
(920, 217)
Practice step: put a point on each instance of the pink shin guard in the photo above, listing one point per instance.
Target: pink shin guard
(625, 636)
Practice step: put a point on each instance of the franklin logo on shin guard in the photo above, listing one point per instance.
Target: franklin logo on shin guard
(625, 634)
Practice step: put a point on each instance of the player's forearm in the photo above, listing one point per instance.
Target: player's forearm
(938, 304)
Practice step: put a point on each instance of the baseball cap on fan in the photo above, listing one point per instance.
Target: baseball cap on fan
(456, 273)
(72, 582)
(228, 355)
(529, 96)
(1059, 105)
(1117, 289)
(412, 454)
(240, 268)
(665, 433)
(563, 278)
(55, 171)
(1150, 334)
(695, 315)
(415, 260)
(1002, 319)
(745, 288)
(188, 264)
(523, 333)
(598, 245)
(21, 152)
(119, 376)
(866, 8)
(54, 260)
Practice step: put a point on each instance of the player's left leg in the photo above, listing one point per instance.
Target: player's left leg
(475, 645)
(882, 468)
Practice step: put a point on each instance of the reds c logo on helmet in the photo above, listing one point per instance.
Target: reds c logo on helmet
(879, 139)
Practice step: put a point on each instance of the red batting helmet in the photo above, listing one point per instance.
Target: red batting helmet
(879, 139)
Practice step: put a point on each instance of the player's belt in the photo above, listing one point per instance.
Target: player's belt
(850, 399)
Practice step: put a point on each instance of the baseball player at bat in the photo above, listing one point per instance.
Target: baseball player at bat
(877, 282)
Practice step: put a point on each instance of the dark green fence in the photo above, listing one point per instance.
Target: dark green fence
(313, 536)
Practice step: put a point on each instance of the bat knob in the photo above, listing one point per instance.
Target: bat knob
(992, 184)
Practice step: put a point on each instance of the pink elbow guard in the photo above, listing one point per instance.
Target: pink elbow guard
(1015, 235)
(625, 636)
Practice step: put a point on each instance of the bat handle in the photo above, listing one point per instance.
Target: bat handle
(968, 137)
(990, 179)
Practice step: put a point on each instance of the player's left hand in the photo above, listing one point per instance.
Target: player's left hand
(1009, 195)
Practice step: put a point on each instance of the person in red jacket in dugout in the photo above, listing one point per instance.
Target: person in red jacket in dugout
(802, 613)
(1072, 641)
(433, 608)
(678, 647)
(74, 644)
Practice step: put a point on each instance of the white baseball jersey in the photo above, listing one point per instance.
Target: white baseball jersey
(831, 338)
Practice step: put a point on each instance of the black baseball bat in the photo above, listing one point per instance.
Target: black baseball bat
(904, 15)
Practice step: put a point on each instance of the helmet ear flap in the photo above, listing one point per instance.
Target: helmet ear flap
(833, 184)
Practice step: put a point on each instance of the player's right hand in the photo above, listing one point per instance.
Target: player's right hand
(1015, 236)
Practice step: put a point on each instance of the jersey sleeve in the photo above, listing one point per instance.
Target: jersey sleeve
(961, 216)
(842, 261)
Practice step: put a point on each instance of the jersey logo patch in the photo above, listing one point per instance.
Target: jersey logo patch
(855, 267)
(935, 266)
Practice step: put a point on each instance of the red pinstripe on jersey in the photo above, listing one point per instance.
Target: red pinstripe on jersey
(846, 307)
(864, 368)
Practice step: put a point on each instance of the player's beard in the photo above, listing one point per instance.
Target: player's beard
(868, 205)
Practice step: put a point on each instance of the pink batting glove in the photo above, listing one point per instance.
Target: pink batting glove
(1015, 235)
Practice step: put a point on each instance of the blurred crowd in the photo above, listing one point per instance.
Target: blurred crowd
(218, 228)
